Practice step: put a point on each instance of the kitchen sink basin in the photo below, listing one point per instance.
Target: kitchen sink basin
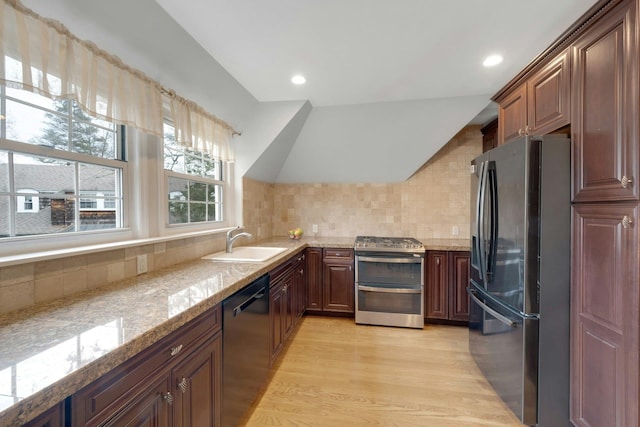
(246, 254)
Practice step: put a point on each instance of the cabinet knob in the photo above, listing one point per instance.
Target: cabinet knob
(625, 181)
(527, 129)
(176, 350)
(183, 385)
(627, 221)
(168, 397)
(437, 261)
(301, 271)
(520, 132)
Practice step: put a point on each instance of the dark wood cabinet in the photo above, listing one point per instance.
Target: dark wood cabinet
(490, 136)
(459, 280)
(604, 350)
(314, 279)
(605, 323)
(330, 281)
(277, 309)
(604, 118)
(338, 281)
(539, 105)
(53, 417)
(177, 378)
(197, 392)
(549, 96)
(150, 408)
(436, 285)
(299, 282)
(512, 115)
(287, 300)
(446, 280)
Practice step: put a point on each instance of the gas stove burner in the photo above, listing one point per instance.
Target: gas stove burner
(388, 244)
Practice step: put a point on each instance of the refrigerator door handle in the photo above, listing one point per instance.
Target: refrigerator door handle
(480, 220)
(491, 311)
(493, 220)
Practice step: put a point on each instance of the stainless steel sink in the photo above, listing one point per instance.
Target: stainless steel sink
(246, 254)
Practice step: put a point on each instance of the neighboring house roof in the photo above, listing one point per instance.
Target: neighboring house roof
(52, 178)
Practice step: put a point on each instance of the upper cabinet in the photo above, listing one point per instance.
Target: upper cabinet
(604, 119)
(539, 105)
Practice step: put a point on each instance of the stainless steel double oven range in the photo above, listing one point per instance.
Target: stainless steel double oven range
(389, 285)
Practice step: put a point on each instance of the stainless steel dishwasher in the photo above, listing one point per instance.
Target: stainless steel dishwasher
(245, 349)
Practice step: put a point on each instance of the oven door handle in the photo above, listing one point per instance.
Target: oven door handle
(415, 260)
(389, 290)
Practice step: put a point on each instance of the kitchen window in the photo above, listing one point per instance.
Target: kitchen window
(61, 170)
(194, 182)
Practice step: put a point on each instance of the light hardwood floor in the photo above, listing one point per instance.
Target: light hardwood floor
(335, 373)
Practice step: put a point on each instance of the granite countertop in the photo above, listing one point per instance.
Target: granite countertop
(53, 350)
(50, 351)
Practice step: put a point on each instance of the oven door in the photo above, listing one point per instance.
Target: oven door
(390, 269)
(389, 290)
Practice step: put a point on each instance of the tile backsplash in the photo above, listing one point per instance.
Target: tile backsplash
(428, 205)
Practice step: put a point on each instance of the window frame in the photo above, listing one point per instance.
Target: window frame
(16, 197)
(226, 183)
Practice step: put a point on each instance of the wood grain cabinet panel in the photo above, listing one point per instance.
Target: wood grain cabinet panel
(604, 327)
(539, 105)
(330, 281)
(549, 96)
(314, 279)
(459, 280)
(140, 392)
(604, 118)
(53, 417)
(197, 392)
(437, 285)
(446, 281)
(512, 115)
(339, 286)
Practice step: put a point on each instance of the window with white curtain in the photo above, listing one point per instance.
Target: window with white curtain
(194, 182)
(57, 163)
(65, 105)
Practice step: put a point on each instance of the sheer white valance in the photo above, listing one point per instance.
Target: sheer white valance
(198, 130)
(43, 56)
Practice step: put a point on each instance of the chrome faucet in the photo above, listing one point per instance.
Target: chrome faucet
(231, 238)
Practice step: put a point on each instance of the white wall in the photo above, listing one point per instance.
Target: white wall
(369, 143)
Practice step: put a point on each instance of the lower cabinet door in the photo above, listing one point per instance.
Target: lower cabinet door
(197, 386)
(151, 409)
(339, 292)
(277, 308)
(54, 417)
(459, 280)
(436, 291)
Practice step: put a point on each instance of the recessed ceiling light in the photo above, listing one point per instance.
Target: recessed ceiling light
(298, 79)
(492, 60)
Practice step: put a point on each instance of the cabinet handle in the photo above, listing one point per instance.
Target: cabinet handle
(176, 350)
(168, 397)
(627, 221)
(526, 130)
(625, 181)
(437, 261)
(349, 268)
(520, 132)
(301, 271)
(183, 385)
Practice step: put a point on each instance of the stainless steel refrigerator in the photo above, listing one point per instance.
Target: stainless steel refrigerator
(520, 275)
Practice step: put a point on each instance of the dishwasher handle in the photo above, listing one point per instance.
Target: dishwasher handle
(241, 307)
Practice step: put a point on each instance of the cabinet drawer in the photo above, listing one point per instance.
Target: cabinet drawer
(101, 399)
(280, 272)
(338, 253)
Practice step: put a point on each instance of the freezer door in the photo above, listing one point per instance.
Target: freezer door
(505, 347)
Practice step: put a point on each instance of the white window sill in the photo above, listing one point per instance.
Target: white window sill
(9, 260)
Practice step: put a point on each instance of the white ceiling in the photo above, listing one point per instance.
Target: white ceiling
(369, 51)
